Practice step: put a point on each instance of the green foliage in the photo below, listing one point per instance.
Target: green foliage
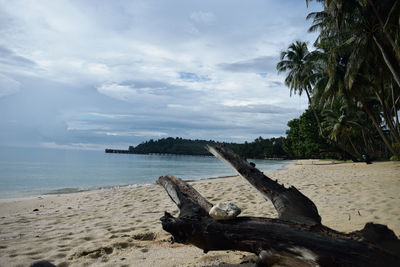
(303, 139)
(352, 77)
(356, 62)
(394, 158)
(171, 145)
(259, 148)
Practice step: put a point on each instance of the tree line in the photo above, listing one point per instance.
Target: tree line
(259, 148)
(351, 80)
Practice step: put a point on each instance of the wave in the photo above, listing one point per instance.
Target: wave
(70, 190)
(67, 190)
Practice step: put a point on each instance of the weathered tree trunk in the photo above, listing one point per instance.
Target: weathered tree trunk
(315, 113)
(297, 236)
(290, 203)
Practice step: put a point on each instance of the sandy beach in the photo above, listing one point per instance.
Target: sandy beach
(121, 227)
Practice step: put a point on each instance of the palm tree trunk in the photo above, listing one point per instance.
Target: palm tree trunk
(396, 115)
(386, 114)
(387, 35)
(352, 155)
(368, 148)
(387, 61)
(381, 134)
(354, 148)
(315, 113)
(389, 123)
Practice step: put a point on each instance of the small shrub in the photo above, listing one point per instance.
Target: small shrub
(394, 158)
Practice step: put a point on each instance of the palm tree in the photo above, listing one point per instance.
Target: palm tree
(295, 61)
(357, 19)
(360, 65)
(343, 125)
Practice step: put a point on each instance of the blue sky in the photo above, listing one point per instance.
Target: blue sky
(95, 74)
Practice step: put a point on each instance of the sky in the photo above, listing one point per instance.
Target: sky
(91, 74)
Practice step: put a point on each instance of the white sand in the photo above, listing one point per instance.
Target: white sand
(122, 228)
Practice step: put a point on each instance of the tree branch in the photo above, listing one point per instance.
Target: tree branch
(290, 203)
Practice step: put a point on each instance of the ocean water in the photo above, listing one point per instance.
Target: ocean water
(33, 172)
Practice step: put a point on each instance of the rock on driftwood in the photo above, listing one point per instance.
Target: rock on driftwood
(225, 211)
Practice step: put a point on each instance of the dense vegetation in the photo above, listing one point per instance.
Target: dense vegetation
(259, 148)
(303, 139)
(173, 146)
(351, 79)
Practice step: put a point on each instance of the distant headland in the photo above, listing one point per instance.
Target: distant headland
(259, 148)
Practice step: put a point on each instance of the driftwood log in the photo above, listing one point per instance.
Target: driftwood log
(295, 238)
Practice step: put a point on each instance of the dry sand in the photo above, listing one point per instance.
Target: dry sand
(122, 228)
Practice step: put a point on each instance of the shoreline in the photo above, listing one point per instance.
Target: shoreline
(64, 191)
(121, 226)
(77, 190)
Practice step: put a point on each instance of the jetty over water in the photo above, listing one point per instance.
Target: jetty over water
(121, 151)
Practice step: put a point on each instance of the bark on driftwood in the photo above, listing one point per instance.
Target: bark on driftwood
(296, 237)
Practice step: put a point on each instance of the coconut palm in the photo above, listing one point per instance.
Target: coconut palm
(344, 126)
(299, 70)
(356, 20)
(359, 65)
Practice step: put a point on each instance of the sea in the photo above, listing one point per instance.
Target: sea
(28, 172)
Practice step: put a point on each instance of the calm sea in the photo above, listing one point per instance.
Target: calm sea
(33, 172)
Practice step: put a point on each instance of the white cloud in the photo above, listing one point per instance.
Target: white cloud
(165, 66)
(120, 92)
(109, 116)
(98, 69)
(136, 133)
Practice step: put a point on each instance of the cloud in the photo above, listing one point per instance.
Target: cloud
(73, 146)
(203, 17)
(140, 69)
(145, 93)
(8, 86)
(8, 57)
(257, 65)
(109, 116)
(247, 107)
(147, 134)
(120, 92)
(192, 77)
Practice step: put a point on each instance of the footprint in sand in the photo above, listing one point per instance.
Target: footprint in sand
(60, 255)
(96, 253)
(31, 253)
(121, 245)
(145, 236)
